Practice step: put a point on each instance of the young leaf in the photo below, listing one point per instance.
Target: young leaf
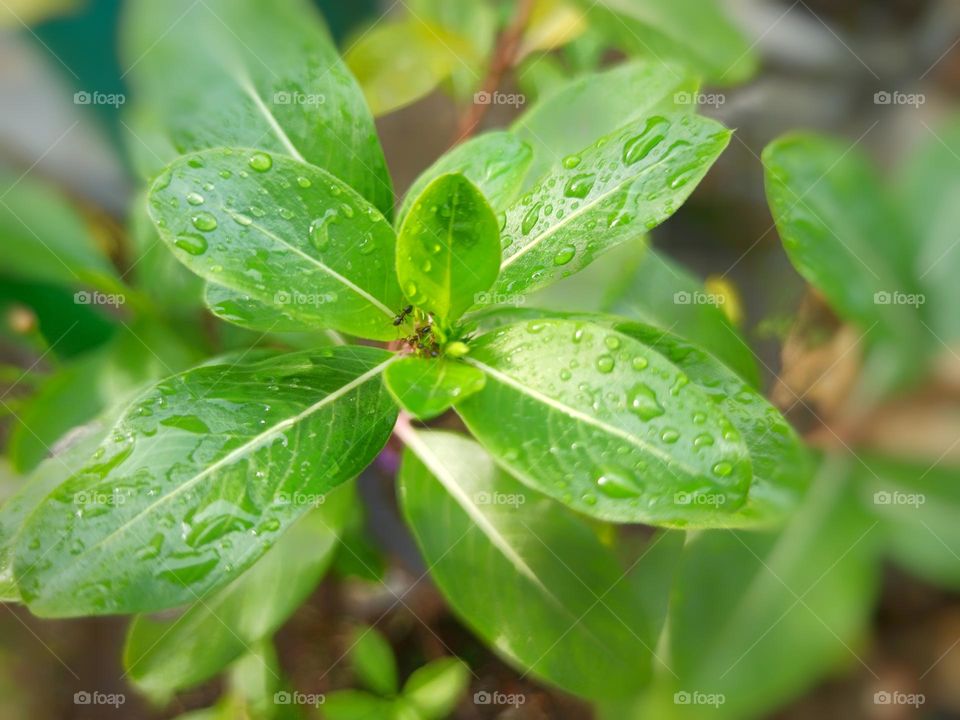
(189, 488)
(397, 63)
(536, 570)
(435, 688)
(448, 251)
(164, 656)
(597, 104)
(612, 428)
(626, 183)
(427, 388)
(358, 705)
(373, 661)
(696, 32)
(782, 467)
(241, 73)
(496, 162)
(742, 597)
(842, 236)
(283, 232)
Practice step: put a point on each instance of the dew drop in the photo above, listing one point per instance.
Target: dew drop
(580, 186)
(191, 243)
(605, 364)
(204, 222)
(617, 483)
(195, 198)
(564, 255)
(723, 469)
(261, 162)
(642, 402)
(571, 161)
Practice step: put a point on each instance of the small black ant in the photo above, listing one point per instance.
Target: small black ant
(398, 320)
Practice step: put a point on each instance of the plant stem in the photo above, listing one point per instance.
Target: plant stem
(504, 56)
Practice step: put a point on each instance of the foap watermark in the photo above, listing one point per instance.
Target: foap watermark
(886, 497)
(85, 297)
(495, 298)
(284, 97)
(285, 697)
(300, 499)
(85, 697)
(886, 97)
(896, 697)
(695, 697)
(687, 498)
(683, 297)
(700, 98)
(499, 98)
(94, 497)
(895, 297)
(85, 97)
(483, 697)
(514, 500)
(298, 298)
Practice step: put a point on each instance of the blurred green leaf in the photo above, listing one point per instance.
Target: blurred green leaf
(448, 249)
(435, 688)
(247, 74)
(426, 388)
(357, 705)
(373, 662)
(536, 571)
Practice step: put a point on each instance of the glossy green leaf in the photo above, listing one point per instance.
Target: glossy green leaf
(373, 662)
(695, 32)
(660, 292)
(625, 184)
(435, 688)
(917, 504)
(399, 62)
(426, 388)
(239, 308)
(606, 425)
(448, 250)
(782, 468)
(44, 238)
(742, 598)
(241, 73)
(283, 232)
(596, 104)
(166, 509)
(928, 183)
(843, 237)
(496, 162)
(165, 655)
(536, 571)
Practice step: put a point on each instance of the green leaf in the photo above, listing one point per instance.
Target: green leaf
(239, 308)
(661, 292)
(165, 655)
(373, 661)
(842, 235)
(927, 185)
(695, 32)
(496, 162)
(399, 62)
(742, 597)
(596, 104)
(448, 250)
(241, 73)
(541, 589)
(606, 425)
(427, 388)
(44, 238)
(283, 232)
(782, 468)
(356, 705)
(627, 183)
(166, 509)
(435, 688)
(918, 505)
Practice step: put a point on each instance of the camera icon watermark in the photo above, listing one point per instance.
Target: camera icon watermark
(895, 297)
(284, 97)
(95, 297)
(699, 98)
(85, 697)
(287, 697)
(682, 297)
(885, 497)
(896, 697)
(515, 100)
(886, 97)
(85, 97)
(695, 697)
(484, 697)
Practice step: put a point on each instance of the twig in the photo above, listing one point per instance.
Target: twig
(504, 56)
